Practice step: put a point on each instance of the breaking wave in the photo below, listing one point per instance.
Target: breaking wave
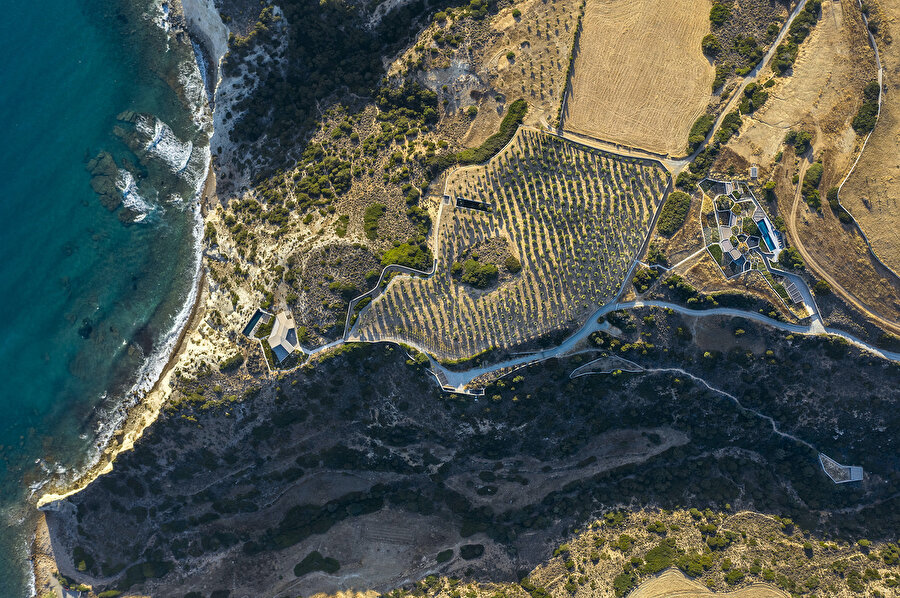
(131, 198)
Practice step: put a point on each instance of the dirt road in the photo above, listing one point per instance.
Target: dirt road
(814, 265)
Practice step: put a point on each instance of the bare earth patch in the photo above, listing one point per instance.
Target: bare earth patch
(627, 87)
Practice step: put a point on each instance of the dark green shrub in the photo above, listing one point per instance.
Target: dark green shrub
(800, 140)
(370, 220)
(674, 212)
(512, 265)
(710, 45)
(444, 555)
(471, 551)
(730, 125)
(790, 258)
(474, 273)
(660, 557)
(719, 13)
(314, 561)
(810, 188)
(700, 129)
(409, 255)
(865, 118)
(232, 363)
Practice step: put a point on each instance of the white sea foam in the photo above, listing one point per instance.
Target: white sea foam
(131, 198)
(165, 146)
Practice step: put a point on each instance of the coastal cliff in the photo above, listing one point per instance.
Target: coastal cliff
(354, 470)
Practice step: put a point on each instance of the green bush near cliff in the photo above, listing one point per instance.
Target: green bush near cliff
(410, 255)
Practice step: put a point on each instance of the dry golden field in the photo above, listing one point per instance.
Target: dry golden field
(872, 193)
(574, 217)
(822, 94)
(673, 584)
(640, 77)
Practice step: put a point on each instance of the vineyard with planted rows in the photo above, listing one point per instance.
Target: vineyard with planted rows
(575, 219)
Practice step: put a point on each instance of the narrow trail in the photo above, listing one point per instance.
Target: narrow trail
(814, 265)
(736, 401)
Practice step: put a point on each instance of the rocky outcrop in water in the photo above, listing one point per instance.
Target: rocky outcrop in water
(104, 173)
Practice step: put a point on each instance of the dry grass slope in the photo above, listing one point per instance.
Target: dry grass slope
(640, 78)
(673, 584)
(872, 193)
(574, 217)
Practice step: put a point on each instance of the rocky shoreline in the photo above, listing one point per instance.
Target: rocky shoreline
(145, 411)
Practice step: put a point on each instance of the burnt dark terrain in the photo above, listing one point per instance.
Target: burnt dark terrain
(360, 461)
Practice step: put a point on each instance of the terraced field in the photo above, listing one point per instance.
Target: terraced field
(571, 217)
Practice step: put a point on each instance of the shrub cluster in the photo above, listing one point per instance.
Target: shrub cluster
(755, 96)
(474, 273)
(799, 140)
(411, 255)
(493, 144)
(719, 13)
(810, 188)
(700, 129)
(710, 44)
(730, 125)
(786, 53)
(370, 220)
(790, 258)
(674, 212)
(864, 121)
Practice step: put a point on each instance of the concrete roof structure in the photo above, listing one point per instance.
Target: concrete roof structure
(840, 474)
(283, 340)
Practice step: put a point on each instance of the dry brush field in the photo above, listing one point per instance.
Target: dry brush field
(640, 77)
(574, 217)
(821, 95)
(872, 193)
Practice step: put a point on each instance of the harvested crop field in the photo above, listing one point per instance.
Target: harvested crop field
(640, 77)
(872, 193)
(673, 584)
(574, 220)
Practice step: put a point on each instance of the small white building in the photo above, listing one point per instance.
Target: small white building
(283, 339)
(754, 172)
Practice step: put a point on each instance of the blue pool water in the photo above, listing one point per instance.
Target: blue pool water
(89, 304)
(764, 229)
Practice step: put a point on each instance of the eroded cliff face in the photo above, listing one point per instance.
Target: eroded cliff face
(357, 472)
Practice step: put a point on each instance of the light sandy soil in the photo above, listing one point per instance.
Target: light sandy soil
(640, 78)
(673, 584)
(872, 193)
(822, 95)
(839, 252)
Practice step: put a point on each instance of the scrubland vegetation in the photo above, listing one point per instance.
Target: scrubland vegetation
(574, 218)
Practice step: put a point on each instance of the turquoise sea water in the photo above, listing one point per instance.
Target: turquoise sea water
(89, 305)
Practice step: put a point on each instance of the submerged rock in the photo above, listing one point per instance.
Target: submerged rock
(104, 174)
